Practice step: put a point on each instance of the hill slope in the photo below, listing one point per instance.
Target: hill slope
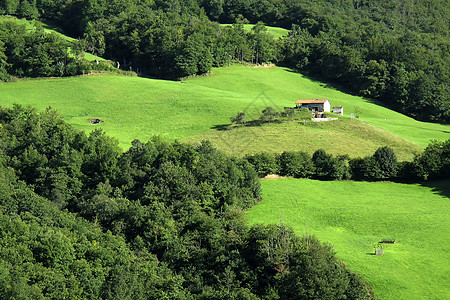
(355, 216)
(140, 108)
(344, 136)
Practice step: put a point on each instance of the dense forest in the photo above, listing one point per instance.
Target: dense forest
(80, 219)
(25, 53)
(396, 52)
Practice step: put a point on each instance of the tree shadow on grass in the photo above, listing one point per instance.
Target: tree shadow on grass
(222, 127)
(254, 123)
(330, 84)
(440, 187)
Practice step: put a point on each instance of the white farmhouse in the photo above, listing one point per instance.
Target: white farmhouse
(316, 105)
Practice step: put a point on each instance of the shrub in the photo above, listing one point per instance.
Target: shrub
(386, 163)
(239, 119)
(363, 168)
(264, 163)
(330, 168)
(296, 164)
(288, 113)
(303, 113)
(434, 162)
(268, 115)
(381, 165)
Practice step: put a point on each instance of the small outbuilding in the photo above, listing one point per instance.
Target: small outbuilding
(338, 110)
(315, 105)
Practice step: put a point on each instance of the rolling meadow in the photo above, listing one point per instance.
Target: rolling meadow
(200, 108)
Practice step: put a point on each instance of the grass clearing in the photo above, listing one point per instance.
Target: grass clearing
(280, 87)
(355, 216)
(277, 32)
(139, 108)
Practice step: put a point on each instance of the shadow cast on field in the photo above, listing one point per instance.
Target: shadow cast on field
(440, 187)
(329, 84)
(222, 127)
(254, 123)
(425, 129)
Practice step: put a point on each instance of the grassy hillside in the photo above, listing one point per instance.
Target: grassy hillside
(140, 108)
(280, 87)
(130, 107)
(277, 32)
(355, 216)
(344, 136)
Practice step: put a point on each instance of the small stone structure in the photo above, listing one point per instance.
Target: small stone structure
(379, 251)
(338, 110)
(387, 241)
(323, 119)
(95, 121)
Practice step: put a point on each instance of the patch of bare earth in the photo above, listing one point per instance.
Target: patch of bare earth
(273, 177)
(263, 66)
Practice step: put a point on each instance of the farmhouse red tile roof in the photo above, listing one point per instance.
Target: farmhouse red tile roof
(306, 101)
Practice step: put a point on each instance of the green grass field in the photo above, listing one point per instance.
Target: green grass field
(355, 216)
(279, 87)
(345, 136)
(277, 32)
(130, 107)
(135, 107)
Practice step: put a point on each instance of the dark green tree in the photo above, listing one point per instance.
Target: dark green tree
(213, 8)
(263, 44)
(27, 9)
(264, 163)
(296, 164)
(386, 162)
(268, 115)
(433, 162)
(10, 7)
(328, 167)
(238, 119)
